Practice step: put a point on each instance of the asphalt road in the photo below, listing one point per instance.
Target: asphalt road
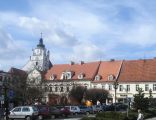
(78, 117)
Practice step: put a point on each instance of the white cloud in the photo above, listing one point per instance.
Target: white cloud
(79, 30)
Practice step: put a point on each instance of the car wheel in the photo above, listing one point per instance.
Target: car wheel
(52, 116)
(87, 113)
(28, 118)
(40, 117)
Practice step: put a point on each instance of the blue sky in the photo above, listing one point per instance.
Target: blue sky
(76, 30)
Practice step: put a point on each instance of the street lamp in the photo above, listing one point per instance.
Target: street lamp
(115, 85)
(126, 89)
(5, 99)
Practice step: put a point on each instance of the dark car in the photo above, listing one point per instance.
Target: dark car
(113, 106)
(43, 111)
(64, 111)
(86, 110)
(54, 112)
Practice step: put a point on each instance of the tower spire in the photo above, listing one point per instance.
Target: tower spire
(41, 45)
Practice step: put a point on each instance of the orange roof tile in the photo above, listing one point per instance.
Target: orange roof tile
(89, 69)
(138, 71)
(108, 68)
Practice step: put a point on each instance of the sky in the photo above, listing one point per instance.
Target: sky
(77, 30)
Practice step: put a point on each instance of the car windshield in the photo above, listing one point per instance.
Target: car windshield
(35, 108)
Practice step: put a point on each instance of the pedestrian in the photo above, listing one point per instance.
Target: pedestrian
(140, 115)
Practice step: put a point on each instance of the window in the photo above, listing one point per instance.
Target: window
(1, 78)
(25, 109)
(50, 89)
(120, 87)
(97, 77)
(61, 89)
(111, 77)
(128, 88)
(146, 87)
(94, 86)
(103, 86)
(109, 87)
(56, 89)
(52, 77)
(17, 109)
(137, 87)
(46, 89)
(67, 89)
(81, 76)
(66, 75)
(154, 87)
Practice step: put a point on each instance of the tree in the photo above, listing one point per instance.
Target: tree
(77, 93)
(97, 94)
(140, 102)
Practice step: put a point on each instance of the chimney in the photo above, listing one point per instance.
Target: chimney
(112, 60)
(81, 62)
(72, 63)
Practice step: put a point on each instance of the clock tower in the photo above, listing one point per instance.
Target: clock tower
(39, 59)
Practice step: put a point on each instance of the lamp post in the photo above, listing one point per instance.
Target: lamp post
(5, 100)
(115, 85)
(127, 101)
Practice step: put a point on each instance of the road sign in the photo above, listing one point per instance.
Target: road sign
(10, 94)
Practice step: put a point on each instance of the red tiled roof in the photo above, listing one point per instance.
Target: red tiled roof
(138, 71)
(89, 69)
(108, 68)
(17, 72)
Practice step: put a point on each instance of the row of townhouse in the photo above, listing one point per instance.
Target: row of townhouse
(129, 74)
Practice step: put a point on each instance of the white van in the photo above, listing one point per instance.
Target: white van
(26, 112)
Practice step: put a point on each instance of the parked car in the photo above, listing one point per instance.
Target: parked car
(26, 112)
(73, 109)
(97, 108)
(43, 111)
(64, 111)
(111, 107)
(86, 110)
(54, 112)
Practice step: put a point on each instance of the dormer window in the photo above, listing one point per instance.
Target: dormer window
(111, 77)
(66, 75)
(81, 76)
(97, 77)
(52, 77)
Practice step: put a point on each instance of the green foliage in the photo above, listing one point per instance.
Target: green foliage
(96, 94)
(77, 93)
(111, 115)
(132, 115)
(140, 102)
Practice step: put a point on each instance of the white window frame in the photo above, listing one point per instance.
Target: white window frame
(97, 77)
(154, 87)
(146, 87)
(110, 77)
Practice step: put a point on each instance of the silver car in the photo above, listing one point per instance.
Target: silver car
(26, 112)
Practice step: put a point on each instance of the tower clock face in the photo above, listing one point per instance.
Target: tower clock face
(37, 51)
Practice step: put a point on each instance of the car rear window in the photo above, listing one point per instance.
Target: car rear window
(25, 109)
